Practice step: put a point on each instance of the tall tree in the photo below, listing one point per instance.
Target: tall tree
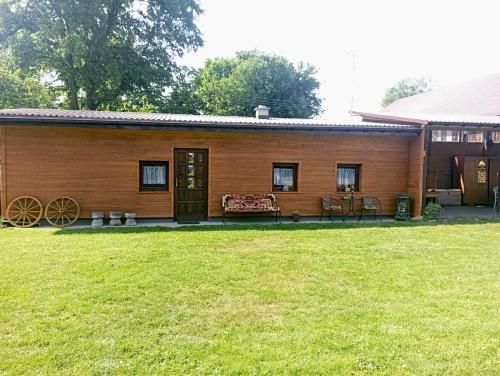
(406, 88)
(182, 98)
(235, 86)
(17, 91)
(102, 50)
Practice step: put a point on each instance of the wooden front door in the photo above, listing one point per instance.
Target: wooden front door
(191, 184)
(476, 171)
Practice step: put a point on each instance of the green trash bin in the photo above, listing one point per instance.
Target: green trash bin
(403, 207)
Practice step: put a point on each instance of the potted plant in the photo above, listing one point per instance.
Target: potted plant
(432, 211)
(296, 215)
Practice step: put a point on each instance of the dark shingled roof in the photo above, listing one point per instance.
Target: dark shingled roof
(176, 121)
(477, 97)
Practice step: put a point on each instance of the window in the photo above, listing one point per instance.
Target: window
(348, 177)
(153, 176)
(472, 136)
(445, 136)
(495, 137)
(285, 177)
(456, 136)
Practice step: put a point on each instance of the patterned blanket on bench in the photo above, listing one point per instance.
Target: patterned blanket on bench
(257, 203)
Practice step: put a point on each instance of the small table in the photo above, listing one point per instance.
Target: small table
(432, 197)
(350, 199)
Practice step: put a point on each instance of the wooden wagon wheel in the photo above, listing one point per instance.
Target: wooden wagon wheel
(24, 211)
(62, 211)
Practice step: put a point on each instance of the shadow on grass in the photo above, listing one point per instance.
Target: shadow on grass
(269, 227)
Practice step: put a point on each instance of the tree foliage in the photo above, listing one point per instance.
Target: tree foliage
(406, 88)
(235, 86)
(103, 51)
(17, 91)
(182, 98)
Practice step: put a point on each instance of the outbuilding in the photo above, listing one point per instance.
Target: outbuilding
(180, 166)
(462, 155)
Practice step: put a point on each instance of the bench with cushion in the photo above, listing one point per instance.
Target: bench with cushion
(250, 204)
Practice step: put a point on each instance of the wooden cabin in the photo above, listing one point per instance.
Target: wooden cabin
(180, 166)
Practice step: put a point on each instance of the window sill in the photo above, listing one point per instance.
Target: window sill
(291, 192)
(348, 193)
(154, 192)
(459, 142)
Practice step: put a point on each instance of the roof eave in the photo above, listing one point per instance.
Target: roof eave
(186, 125)
(460, 125)
(382, 117)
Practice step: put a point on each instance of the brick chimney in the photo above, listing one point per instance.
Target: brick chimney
(262, 112)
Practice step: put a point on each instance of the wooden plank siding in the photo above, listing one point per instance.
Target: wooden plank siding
(440, 170)
(100, 167)
(441, 154)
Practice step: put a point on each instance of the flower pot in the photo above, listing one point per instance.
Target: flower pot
(296, 217)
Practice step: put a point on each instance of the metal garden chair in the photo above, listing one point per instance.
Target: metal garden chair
(371, 203)
(331, 205)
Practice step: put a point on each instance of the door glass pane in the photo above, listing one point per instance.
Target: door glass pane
(190, 157)
(190, 170)
(482, 177)
(190, 184)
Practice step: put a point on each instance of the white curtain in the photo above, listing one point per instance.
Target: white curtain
(154, 175)
(283, 176)
(346, 176)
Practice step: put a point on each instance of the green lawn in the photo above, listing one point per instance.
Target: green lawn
(306, 299)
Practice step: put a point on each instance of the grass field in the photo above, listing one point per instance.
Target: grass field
(306, 299)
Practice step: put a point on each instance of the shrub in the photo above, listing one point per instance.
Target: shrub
(432, 210)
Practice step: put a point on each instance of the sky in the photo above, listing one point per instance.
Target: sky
(448, 41)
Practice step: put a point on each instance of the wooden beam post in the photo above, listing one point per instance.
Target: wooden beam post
(425, 165)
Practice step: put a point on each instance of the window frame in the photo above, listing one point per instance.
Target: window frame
(295, 167)
(358, 167)
(153, 187)
(441, 135)
(469, 141)
(457, 136)
(495, 137)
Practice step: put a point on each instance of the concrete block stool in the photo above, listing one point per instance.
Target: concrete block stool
(97, 219)
(115, 218)
(130, 219)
